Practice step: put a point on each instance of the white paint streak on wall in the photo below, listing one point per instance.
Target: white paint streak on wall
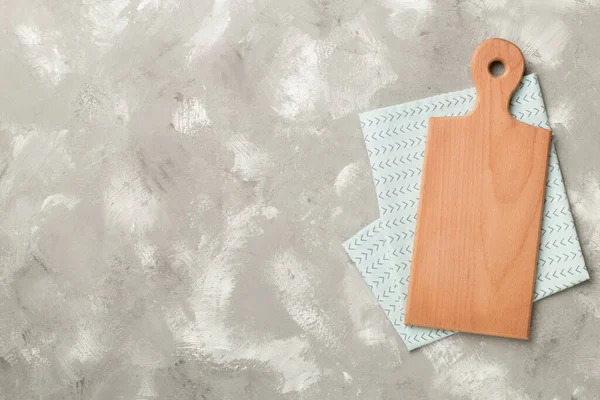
(562, 113)
(122, 110)
(106, 20)
(581, 393)
(347, 177)
(529, 7)
(32, 355)
(19, 142)
(444, 353)
(168, 5)
(295, 282)
(190, 116)
(289, 358)
(542, 40)
(250, 161)
(270, 212)
(403, 5)
(85, 350)
(373, 335)
(206, 334)
(204, 202)
(59, 199)
(43, 53)
(146, 253)
(359, 299)
(298, 64)
(87, 347)
(211, 30)
(211, 334)
(347, 377)
(407, 16)
(541, 36)
(147, 389)
(370, 329)
(213, 264)
(38, 158)
(469, 378)
(128, 203)
(367, 70)
(312, 235)
(240, 226)
(476, 379)
(300, 69)
(337, 211)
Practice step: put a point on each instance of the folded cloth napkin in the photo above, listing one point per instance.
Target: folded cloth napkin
(395, 140)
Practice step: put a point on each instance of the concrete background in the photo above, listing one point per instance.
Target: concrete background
(177, 178)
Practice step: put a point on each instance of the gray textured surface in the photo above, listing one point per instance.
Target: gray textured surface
(177, 177)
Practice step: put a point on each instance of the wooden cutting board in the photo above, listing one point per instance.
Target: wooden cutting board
(480, 208)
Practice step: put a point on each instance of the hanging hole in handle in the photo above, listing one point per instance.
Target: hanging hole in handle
(497, 68)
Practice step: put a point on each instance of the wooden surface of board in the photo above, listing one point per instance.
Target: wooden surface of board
(480, 208)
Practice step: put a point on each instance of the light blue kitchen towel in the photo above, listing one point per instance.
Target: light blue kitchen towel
(382, 251)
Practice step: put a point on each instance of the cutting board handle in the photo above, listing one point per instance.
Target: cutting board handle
(494, 92)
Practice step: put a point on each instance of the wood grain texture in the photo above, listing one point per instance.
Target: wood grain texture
(480, 208)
